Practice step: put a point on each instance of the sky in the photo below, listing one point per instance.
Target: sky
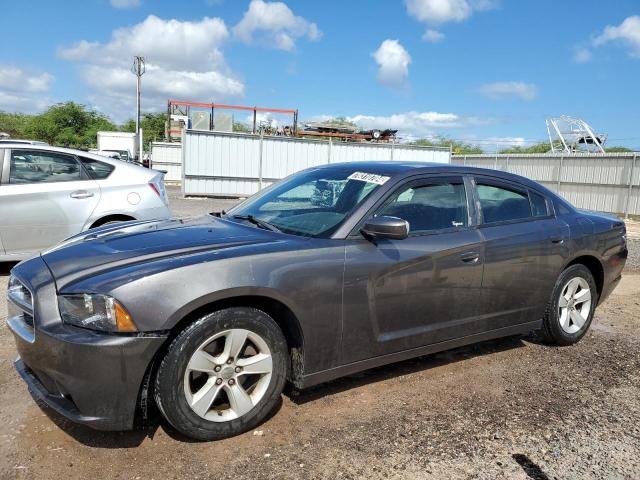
(484, 71)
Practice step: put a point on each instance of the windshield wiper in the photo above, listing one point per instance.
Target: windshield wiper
(260, 223)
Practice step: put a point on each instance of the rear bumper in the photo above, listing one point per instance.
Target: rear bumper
(87, 377)
(159, 212)
(608, 288)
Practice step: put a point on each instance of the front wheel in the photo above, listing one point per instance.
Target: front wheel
(223, 374)
(571, 308)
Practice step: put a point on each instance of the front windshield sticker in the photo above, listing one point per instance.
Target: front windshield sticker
(368, 177)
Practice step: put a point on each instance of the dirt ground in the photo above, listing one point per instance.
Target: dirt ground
(513, 408)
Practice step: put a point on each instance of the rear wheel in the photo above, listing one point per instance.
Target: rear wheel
(571, 308)
(223, 374)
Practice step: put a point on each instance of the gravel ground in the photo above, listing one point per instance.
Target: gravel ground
(512, 408)
(633, 239)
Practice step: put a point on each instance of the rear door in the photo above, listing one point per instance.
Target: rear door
(524, 251)
(403, 294)
(45, 197)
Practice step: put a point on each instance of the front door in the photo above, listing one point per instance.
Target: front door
(425, 289)
(45, 197)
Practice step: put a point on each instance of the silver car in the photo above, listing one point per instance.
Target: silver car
(48, 194)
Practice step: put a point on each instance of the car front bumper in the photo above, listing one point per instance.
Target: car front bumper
(89, 377)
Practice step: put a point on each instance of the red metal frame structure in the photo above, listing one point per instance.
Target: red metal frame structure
(223, 106)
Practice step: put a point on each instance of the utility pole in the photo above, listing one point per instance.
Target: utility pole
(138, 70)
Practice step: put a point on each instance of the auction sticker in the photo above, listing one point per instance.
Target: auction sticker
(368, 177)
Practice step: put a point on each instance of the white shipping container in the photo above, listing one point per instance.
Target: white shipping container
(168, 157)
(118, 141)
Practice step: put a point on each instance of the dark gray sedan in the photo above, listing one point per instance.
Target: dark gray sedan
(331, 271)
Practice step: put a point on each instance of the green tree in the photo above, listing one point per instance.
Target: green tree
(67, 124)
(541, 147)
(342, 122)
(14, 123)
(617, 149)
(241, 127)
(457, 147)
(152, 124)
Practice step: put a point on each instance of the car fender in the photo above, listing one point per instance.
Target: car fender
(229, 294)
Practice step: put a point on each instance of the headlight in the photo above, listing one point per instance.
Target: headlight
(17, 292)
(95, 311)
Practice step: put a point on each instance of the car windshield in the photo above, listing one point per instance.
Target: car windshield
(124, 155)
(312, 203)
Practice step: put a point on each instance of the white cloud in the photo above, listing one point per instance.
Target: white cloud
(509, 90)
(438, 12)
(125, 3)
(415, 124)
(393, 63)
(183, 59)
(433, 36)
(16, 102)
(23, 90)
(627, 33)
(435, 12)
(274, 25)
(174, 44)
(582, 55)
(18, 80)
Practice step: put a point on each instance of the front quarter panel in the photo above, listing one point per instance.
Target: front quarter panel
(303, 274)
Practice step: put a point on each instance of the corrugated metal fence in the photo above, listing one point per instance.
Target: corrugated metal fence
(607, 183)
(218, 163)
(168, 157)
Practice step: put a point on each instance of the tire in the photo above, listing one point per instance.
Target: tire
(199, 365)
(559, 325)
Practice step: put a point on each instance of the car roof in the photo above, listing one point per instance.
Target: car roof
(19, 141)
(400, 169)
(72, 151)
(382, 167)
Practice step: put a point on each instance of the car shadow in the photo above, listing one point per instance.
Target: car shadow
(134, 438)
(406, 367)
(125, 439)
(98, 438)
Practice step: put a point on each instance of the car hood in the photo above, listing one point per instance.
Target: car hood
(124, 244)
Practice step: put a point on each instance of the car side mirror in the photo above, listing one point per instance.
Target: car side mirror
(393, 228)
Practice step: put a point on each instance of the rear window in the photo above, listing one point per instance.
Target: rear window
(500, 204)
(97, 170)
(539, 205)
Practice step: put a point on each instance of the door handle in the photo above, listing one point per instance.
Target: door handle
(81, 194)
(470, 257)
(557, 240)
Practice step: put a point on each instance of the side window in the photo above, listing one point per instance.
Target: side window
(500, 204)
(97, 170)
(539, 205)
(434, 206)
(38, 166)
(561, 209)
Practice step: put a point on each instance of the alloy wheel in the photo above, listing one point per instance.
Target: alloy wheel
(574, 305)
(228, 375)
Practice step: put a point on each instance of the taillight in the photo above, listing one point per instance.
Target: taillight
(155, 188)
